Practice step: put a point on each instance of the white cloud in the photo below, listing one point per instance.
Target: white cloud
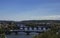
(52, 17)
(19, 18)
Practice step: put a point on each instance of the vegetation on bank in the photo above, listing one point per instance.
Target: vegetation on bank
(7, 27)
(2, 32)
(49, 34)
(53, 33)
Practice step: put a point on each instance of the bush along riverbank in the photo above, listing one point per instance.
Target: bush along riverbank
(53, 33)
(2, 33)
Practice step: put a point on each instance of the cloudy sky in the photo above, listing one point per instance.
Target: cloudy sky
(29, 10)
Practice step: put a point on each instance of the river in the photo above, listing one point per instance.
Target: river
(22, 35)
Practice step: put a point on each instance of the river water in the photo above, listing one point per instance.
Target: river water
(22, 35)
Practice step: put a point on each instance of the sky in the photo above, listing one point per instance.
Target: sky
(18, 10)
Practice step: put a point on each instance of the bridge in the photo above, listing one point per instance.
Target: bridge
(28, 30)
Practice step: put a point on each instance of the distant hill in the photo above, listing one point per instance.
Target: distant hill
(5, 22)
(40, 21)
(30, 21)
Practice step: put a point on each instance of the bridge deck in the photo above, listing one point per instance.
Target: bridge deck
(27, 30)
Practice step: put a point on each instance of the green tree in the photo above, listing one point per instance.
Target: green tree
(2, 32)
(49, 34)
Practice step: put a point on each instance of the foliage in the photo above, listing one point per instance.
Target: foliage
(2, 34)
(49, 34)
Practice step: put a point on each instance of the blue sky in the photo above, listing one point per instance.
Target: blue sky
(29, 10)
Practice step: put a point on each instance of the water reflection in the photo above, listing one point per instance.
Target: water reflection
(22, 35)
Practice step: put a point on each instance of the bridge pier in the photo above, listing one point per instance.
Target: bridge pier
(41, 28)
(32, 28)
(23, 28)
(16, 33)
(27, 33)
(37, 28)
(28, 28)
